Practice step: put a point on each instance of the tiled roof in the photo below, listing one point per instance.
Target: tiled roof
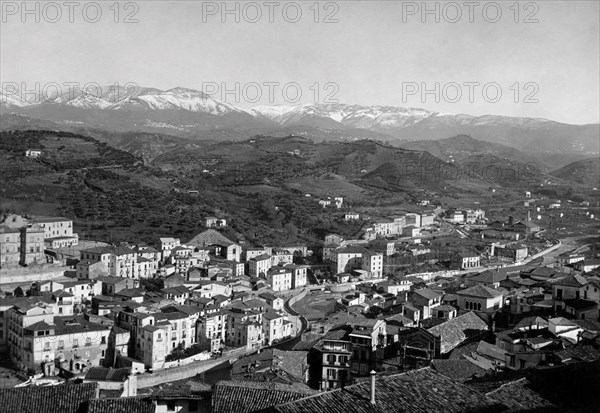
(572, 281)
(122, 405)
(489, 276)
(429, 294)
(457, 369)
(518, 397)
(50, 399)
(422, 390)
(455, 331)
(527, 322)
(480, 291)
(107, 374)
(242, 397)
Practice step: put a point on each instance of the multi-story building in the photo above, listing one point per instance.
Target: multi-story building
(368, 339)
(373, 263)
(155, 335)
(212, 329)
(275, 327)
(58, 232)
(21, 246)
(280, 278)
(383, 246)
(426, 300)
(480, 298)
(466, 260)
(281, 257)
(120, 261)
(413, 219)
(346, 259)
(69, 343)
(331, 365)
(298, 275)
(166, 245)
(259, 266)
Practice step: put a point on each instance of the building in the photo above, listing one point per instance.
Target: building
(331, 366)
(368, 339)
(21, 243)
(346, 259)
(42, 341)
(259, 265)
(299, 275)
(572, 287)
(166, 245)
(480, 298)
(58, 232)
(372, 262)
(465, 260)
(214, 222)
(280, 279)
(351, 216)
(426, 300)
(383, 246)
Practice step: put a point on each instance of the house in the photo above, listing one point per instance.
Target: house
(465, 260)
(488, 278)
(330, 360)
(72, 398)
(411, 231)
(178, 294)
(382, 246)
(426, 300)
(526, 227)
(480, 298)
(465, 327)
(259, 265)
(228, 396)
(272, 300)
(416, 346)
(281, 257)
(214, 222)
(299, 275)
(568, 288)
(427, 220)
(166, 245)
(587, 265)
(345, 259)
(33, 153)
(351, 216)
(403, 392)
(70, 343)
(372, 262)
(367, 338)
(280, 279)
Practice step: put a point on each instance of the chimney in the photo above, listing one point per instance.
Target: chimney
(372, 386)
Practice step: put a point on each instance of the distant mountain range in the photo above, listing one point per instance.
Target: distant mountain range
(194, 114)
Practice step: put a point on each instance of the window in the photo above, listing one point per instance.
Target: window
(193, 406)
(170, 406)
(559, 293)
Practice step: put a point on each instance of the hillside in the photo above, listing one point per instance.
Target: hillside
(193, 114)
(585, 172)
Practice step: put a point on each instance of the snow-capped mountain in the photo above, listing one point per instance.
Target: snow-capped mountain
(190, 112)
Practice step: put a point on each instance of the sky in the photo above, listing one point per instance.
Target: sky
(529, 59)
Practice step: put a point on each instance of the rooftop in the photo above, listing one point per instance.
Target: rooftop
(480, 291)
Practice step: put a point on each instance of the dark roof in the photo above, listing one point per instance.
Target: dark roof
(518, 397)
(107, 374)
(580, 304)
(454, 331)
(50, 399)
(429, 294)
(480, 291)
(572, 281)
(122, 405)
(422, 390)
(247, 396)
(457, 369)
(489, 276)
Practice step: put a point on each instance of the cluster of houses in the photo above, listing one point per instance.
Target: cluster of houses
(23, 240)
(216, 294)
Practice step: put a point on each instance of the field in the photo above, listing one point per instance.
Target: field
(317, 306)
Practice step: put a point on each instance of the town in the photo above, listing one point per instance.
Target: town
(282, 326)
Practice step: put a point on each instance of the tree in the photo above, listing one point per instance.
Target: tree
(19, 292)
